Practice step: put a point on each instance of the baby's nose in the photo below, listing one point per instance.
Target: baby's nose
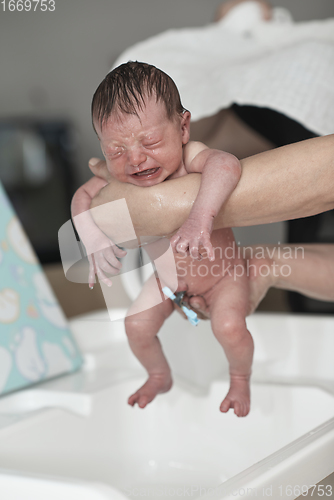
(136, 157)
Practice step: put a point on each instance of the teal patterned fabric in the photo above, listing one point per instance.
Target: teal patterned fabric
(35, 342)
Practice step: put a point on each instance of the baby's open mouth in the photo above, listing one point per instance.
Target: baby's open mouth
(143, 173)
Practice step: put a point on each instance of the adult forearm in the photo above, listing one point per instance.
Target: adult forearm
(307, 269)
(285, 183)
(158, 210)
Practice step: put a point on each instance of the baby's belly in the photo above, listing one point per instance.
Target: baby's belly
(197, 277)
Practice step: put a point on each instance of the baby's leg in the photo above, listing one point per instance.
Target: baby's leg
(228, 307)
(141, 329)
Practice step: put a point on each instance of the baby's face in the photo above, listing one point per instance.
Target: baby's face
(144, 149)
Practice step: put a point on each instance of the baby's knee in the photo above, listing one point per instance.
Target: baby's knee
(139, 331)
(231, 328)
(132, 326)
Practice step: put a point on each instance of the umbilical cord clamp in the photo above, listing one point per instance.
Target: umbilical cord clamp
(178, 299)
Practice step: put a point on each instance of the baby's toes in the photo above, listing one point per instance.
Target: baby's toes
(241, 409)
(132, 400)
(247, 409)
(238, 409)
(143, 401)
(225, 406)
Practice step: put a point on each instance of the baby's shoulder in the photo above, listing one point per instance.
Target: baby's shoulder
(191, 150)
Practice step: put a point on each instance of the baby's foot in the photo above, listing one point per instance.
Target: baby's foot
(238, 396)
(154, 385)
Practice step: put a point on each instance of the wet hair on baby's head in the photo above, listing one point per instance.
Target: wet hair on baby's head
(126, 87)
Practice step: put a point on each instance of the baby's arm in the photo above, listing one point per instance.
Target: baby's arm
(220, 174)
(101, 251)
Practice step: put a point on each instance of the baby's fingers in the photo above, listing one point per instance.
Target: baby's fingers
(111, 259)
(182, 246)
(91, 272)
(119, 252)
(174, 239)
(103, 262)
(179, 244)
(206, 243)
(100, 273)
(194, 251)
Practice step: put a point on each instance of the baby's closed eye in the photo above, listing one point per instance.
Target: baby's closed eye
(113, 154)
(151, 144)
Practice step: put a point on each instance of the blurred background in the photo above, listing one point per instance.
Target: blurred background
(51, 64)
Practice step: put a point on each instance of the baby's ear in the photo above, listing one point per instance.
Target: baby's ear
(185, 126)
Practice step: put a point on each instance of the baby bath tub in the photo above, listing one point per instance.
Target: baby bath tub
(75, 437)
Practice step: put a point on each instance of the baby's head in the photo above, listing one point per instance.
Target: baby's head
(141, 123)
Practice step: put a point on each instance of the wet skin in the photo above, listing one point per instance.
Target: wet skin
(146, 150)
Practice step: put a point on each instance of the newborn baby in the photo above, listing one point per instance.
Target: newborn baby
(144, 135)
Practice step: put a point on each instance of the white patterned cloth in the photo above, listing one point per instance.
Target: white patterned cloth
(242, 59)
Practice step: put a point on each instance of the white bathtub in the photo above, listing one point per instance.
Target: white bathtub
(90, 445)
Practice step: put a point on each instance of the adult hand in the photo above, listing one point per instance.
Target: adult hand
(225, 7)
(99, 169)
(198, 304)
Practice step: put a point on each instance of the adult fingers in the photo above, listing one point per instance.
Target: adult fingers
(198, 304)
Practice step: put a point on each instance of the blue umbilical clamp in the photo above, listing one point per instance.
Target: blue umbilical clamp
(191, 315)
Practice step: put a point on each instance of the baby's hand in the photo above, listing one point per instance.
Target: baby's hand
(191, 235)
(103, 259)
